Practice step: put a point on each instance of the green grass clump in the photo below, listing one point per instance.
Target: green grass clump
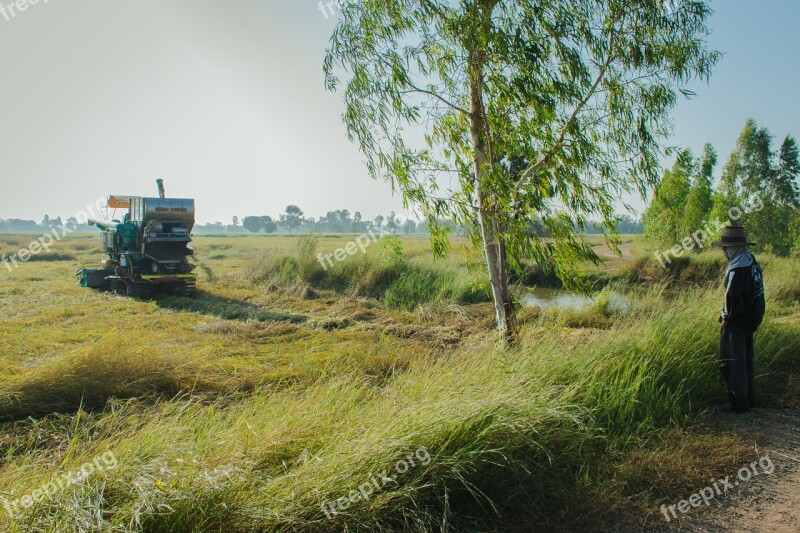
(399, 283)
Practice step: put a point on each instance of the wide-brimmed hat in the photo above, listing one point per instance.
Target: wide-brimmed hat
(733, 236)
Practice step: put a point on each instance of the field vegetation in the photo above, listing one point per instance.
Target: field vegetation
(285, 386)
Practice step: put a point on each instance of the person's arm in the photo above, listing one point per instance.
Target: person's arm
(734, 295)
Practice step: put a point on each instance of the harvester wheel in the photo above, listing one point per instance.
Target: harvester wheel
(185, 289)
(190, 289)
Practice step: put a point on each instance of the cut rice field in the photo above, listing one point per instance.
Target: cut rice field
(285, 388)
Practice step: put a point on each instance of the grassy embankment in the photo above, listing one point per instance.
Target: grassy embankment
(268, 396)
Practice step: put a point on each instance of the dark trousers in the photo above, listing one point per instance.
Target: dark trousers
(736, 356)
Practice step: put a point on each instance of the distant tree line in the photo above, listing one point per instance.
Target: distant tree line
(15, 225)
(339, 221)
(294, 221)
(756, 174)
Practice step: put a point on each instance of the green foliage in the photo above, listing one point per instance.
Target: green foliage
(250, 423)
(547, 110)
(258, 224)
(700, 199)
(398, 283)
(292, 218)
(665, 219)
(391, 249)
(754, 170)
(527, 432)
(755, 181)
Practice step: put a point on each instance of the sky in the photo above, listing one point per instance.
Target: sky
(225, 101)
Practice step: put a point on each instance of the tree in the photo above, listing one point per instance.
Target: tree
(379, 221)
(391, 222)
(755, 170)
(235, 221)
(344, 219)
(293, 218)
(788, 186)
(700, 199)
(789, 189)
(664, 219)
(253, 224)
(727, 194)
(579, 89)
(268, 225)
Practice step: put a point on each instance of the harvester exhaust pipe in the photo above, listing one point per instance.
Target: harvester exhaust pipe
(161, 193)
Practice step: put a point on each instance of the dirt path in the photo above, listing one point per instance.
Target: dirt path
(781, 513)
(768, 502)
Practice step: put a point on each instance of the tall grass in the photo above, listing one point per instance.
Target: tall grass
(505, 430)
(521, 435)
(399, 283)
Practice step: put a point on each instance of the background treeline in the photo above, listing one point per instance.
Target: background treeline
(334, 222)
(341, 221)
(757, 178)
(293, 220)
(15, 225)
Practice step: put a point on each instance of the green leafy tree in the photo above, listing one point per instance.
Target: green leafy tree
(788, 189)
(391, 222)
(253, 224)
(292, 218)
(700, 200)
(763, 184)
(344, 217)
(665, 218)
(579, 89)
(268, 224)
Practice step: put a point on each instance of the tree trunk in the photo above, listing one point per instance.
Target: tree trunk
(493, 243)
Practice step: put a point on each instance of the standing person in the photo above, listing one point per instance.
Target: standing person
(741, 316)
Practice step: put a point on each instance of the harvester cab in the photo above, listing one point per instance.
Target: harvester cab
(148, 250)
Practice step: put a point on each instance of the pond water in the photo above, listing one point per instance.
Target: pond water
(546, 298)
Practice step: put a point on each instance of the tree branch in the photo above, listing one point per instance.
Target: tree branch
(533, 169)
(451, 105)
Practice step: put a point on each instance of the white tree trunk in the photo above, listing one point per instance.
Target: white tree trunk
(493, 245)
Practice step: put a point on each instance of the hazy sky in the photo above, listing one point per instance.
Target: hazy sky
(225, 100)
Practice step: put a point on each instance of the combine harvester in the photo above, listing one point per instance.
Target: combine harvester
(149, 250)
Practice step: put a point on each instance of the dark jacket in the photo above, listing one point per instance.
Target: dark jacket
(744, 293)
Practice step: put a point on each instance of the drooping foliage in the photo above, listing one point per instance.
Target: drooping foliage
(445, 99)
